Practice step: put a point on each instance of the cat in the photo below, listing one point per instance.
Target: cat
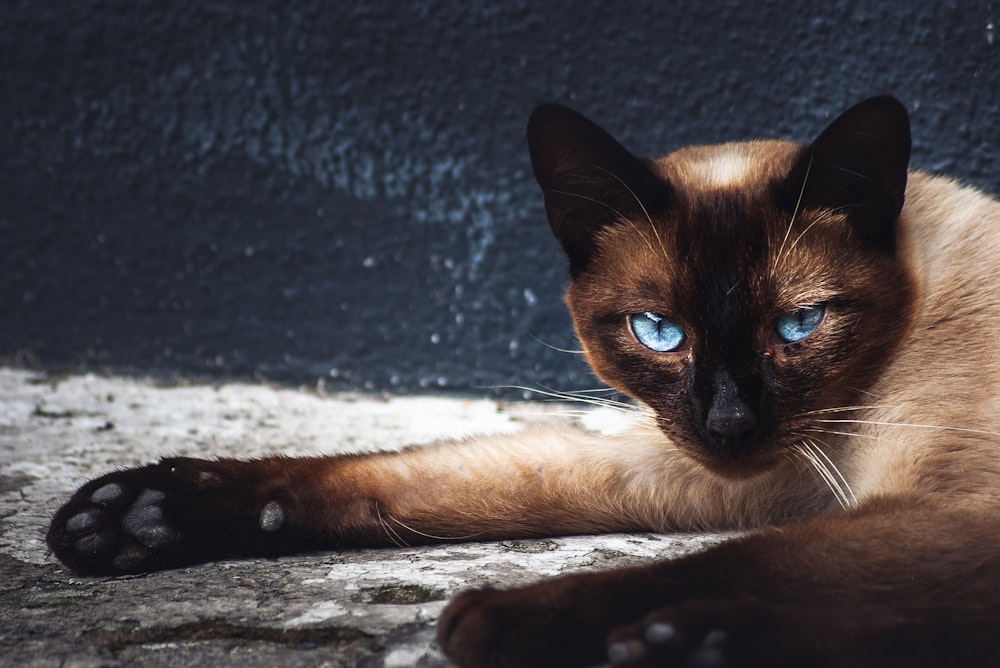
(811, 335)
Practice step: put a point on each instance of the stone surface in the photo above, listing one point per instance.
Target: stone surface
(358, 607)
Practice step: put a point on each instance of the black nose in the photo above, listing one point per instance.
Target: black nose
(730, 422)
(732, 429)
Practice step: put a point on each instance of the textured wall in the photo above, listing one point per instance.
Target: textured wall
(339, 190)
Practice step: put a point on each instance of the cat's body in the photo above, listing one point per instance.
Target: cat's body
(820, 363)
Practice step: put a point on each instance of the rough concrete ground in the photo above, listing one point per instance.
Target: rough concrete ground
(361, 607)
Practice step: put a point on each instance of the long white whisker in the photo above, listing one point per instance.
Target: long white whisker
(557, 348)
(820, 469)
(845, 409)
(834, 483)
(815, 464)
(396, 539)
(567, 413)
(870, 394)
(431, 536)
(835, 469)
(880, 423)
(569, 396)
(841, 495)
(851, 434)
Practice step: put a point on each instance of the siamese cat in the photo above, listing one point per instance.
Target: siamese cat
(812, 336)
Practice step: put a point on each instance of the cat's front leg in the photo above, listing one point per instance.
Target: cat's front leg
(181, 511)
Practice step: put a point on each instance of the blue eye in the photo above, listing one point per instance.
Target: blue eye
(656, 332)
(800, 323)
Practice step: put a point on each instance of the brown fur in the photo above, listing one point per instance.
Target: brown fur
(873, 442)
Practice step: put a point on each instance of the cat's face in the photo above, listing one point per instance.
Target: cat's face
(736, 290)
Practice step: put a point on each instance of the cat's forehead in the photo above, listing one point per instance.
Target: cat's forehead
(737, 165)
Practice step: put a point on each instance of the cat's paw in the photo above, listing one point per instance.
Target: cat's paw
(531, 626)
(714, 634)
(179, 511)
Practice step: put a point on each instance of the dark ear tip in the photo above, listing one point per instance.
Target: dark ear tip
(888, 103)
(547, 116)
(884, 110)
(546, 110)
(881, 120)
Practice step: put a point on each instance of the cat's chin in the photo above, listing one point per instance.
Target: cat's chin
(734, 463)
(735, 466)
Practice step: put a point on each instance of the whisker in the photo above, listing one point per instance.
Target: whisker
(795, 211)
(615, 211)
(852, 434)
(845, 409)
(604, 402)
(594, 200)
(802, 234)
(556, 348)
(396, 539)
(642, 206)
(835, 469)
(834, 483)
(870, 394)
(880, 423)
(433, 537)
(817, 465)
(568, 413)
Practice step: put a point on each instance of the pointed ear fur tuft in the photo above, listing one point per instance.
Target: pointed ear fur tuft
(588, 179)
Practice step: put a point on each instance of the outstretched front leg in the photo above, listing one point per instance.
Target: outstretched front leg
(182, 511)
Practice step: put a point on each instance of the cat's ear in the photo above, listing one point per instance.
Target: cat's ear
(589, 180)
(858, 165)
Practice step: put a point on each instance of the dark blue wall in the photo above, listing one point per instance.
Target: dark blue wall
(341, 190)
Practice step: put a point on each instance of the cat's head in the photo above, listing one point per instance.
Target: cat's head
(738, 289)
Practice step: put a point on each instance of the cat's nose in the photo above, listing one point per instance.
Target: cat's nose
(730, 421)
(732, 429)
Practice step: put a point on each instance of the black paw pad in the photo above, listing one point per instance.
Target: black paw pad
(83, 521)
(180, 511)
(144, 521)
(115, 524)
(108, 494)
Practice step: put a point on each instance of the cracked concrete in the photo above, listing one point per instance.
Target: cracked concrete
(349, 608)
